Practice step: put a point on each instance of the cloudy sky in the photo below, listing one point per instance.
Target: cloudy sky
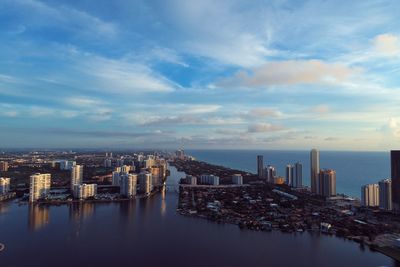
(200, 74)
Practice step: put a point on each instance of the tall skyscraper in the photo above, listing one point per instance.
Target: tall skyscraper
(145, 185)
(270, 174)
(128, 185)
(314, 160)
(260, 167)
(395, 171)
(84, 191)
(116, 178)
(39, 186)
(385, 194)
(289, 175)
(370, 195)
(298, 179)
(327, 183)
(76, 175)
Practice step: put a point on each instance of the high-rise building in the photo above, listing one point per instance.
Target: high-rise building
(270, 174)
(190, 179)
(298, 175)
(314, 160)
(145, 185)
(260, 167)
(4, 185)
(67, 165)
(76, 175)
(3, 166)
(209, 179)
(84, 191)
(125, 168)
(385, 194)
(237, 179)
(395, 171)
(116, 178)
(370, 195)
(107, 163)
(327, 183)
(120, 162)
(128, 185)
(289, 175)
(39, 186)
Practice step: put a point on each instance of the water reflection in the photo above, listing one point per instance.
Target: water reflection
(127, 211)
(38, 216)
(81, 210)
(3, 208)
(163, 201)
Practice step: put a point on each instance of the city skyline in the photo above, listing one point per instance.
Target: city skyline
(231, 74)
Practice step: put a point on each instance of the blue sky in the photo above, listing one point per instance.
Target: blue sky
(200, 74)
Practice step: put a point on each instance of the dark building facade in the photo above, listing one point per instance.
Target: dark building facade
(395, 173)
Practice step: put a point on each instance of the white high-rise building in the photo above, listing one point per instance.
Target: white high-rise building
(270, 173)
(314, 159)
(370, 195)
(209, 179)
(298, 175)
(128, 185)
(145, 185)
(237, 179)
(385, 194)
(76, 175)
(67, 164)
(289, 175)
(4, 185)
(39, 186)
(84, 191)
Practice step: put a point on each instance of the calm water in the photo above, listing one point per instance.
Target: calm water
(150, 233)
(353, 169)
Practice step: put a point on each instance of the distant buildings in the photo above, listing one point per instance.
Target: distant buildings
(128, 185)
(180, 154)
(237, 179)
(385, 194)
(39, 186)
(84, 191)
(67, 165)
(370, 195)
(4, 185)
(3, 166)
(107, 163)
(76, 175)
(209, 179)
(270, 173)
(145, 185)
(298, 175)
(395, 173)
(289, 175)
(260, 167)
(190, 179)
(327, 183)
(314, 160)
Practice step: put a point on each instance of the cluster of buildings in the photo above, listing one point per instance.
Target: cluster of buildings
(323, 181)
(386, 193)
(152, 170)
(293, 178)
(210, 179)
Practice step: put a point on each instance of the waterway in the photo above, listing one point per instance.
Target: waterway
(149, 232)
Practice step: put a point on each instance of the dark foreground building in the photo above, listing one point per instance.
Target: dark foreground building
(395, 168)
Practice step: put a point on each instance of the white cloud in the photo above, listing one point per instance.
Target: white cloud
(387, 45)
(291, 72)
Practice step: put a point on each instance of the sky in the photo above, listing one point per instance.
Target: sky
(205, 74)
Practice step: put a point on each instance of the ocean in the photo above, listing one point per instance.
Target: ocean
(353, 169)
